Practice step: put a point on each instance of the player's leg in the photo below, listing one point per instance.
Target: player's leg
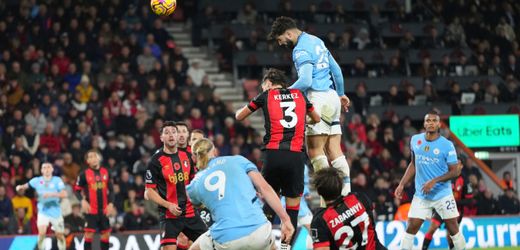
(203, 242)
(419, 210)
(459, 243)
(90, 229)
(272, 175)
(59, 228)
(42, 223)
(170, 230)
(338, 160)
(194, 228)
(436, 222)
(183, 242)
(316, 152)
(292, 168)
(447, 209)
(105, 232)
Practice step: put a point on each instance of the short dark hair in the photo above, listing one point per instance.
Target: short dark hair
(280, 25)
(328, 183)
(197, 131)
(91, 151)
(433, 112)
(168, 124)
(276, 76)
(177, 124)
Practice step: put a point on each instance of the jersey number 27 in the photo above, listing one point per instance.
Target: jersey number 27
(350, 232)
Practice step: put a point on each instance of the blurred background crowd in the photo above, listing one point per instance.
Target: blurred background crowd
(105, 74)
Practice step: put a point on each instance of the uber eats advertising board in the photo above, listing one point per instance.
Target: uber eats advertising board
(486, 130)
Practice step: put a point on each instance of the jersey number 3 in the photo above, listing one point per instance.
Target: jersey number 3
(288, 112)
(216, 181)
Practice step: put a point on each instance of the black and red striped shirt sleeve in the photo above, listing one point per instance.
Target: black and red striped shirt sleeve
(258, 101)
(152, 174)
(320, 232)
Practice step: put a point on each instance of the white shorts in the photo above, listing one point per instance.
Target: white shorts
(260, 239)
(423, 209)
(305, 220)
(57, 223)
(328, 105)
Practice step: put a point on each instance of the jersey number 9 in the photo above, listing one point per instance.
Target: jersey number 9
(219, 184)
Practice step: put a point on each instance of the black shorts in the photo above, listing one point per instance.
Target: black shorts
(284, 171)
(94, 222)
(436, 218)
(171, 228)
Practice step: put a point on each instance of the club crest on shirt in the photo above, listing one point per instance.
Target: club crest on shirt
(436, 151)
(185, 163)
(427, 148)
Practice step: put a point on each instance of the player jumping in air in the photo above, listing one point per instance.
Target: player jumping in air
(50, 190)
(285, 112)
(434, 163)
(318, 73)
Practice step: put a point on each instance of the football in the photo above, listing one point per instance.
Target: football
(163, 7)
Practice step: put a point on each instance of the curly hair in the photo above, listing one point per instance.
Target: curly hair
(280, 25)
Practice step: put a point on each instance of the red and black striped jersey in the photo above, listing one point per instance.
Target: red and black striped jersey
(170, 174)
(347, 223)
(463, 194)
(284, 113)
(97, 187)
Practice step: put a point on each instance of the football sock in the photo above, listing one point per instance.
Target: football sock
(341, 164)
(407, 241)
(427, 240)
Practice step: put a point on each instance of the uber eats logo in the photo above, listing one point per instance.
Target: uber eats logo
(487, 130)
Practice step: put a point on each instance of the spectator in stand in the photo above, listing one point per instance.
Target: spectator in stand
(75, 221)
(508, 203)
(196, 73)
(486, 203)
(507, 181)
(6, 210)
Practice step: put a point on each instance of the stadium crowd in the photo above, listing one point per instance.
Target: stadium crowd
(77, 75)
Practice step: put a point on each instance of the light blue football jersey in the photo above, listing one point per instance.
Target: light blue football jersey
(48, 206)
(311, 49)
(227, 191)
(432, 159)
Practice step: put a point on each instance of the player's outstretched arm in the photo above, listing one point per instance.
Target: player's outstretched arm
(455, 170)
(243, 113)
(304, 81)
(274, 202)
(22, 187)
(408, 175)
